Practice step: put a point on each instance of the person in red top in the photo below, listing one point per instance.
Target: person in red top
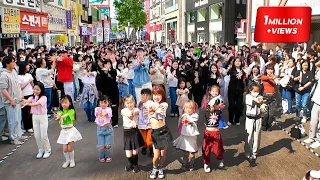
(269, 82)
(65, 68)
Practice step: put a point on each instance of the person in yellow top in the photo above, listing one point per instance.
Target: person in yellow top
(69, 134)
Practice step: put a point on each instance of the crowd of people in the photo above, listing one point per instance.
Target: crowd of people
(137, 78)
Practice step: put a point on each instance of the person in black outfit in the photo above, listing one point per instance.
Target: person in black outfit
(235, 91)
(197, 87)
(107, 85)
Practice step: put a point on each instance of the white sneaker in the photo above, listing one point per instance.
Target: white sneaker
(65, 164)
(304, 120)
(238, 124)
(16, 142)
(30, 130)
(23, 131)
(253, 157)
(229, 124)
(221, 165)
(46, 155)
(308, 141)
(315, 145)
(206, 168)
(116, 126)
(23, 137)
(3, 138)
(39, 155)
(160, 174)
(72, 164)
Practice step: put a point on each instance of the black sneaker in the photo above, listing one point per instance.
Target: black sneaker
(136, 168)
(144, 151)
(128, 167)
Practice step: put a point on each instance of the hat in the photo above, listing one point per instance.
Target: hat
(315, 174)
(140, 49)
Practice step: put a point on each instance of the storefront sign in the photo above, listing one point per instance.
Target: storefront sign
(34, 22)
(200, 3)
(29, 4)
(279, 24)
(157, 27)
(10, 20)
(9, 35)
(83, 31)
(69, 19)
(59, 3)
(99, 34)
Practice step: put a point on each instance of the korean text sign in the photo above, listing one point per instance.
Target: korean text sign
(30, 4)
(10, 20)
(283, 24)
(34, 22)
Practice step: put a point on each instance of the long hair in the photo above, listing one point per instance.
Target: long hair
(218, 72)
(68, 97)
(42, 89)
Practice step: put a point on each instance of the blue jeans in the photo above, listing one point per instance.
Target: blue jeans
(48, 93)
(302, 99)
(89, 110)
(14, 121)
(286, 94)
(105, 139)
(3, 120)
(131, 88)
(173, 98)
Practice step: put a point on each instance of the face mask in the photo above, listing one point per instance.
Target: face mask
(215, 59)
(254, 94)
(33, 60)
(204, 56)
(120, 67)
(158, 65)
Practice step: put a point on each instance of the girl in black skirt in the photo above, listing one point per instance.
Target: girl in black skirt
(132, 138)
(160, 133)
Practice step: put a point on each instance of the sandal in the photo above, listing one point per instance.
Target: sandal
(102, 160)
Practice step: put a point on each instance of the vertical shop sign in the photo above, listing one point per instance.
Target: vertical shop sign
(69, 19)
(10, 20)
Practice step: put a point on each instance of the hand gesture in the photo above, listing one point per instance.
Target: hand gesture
(57, 116)
(301, 88)
(219, 80)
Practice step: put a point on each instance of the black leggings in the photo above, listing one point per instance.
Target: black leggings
(235, 105)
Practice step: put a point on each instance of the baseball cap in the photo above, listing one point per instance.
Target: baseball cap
(315, 174)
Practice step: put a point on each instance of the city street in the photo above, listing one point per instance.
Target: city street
(280, 157)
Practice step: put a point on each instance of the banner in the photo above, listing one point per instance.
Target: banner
(29, 4)
(69, 19)
(34, 22)
(101, 5)
(10, 20)
(279, 24)
(99, 35)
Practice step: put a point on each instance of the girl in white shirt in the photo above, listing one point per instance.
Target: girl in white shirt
(90, 93)
(132, 138)
(172, 78)
(26, 83)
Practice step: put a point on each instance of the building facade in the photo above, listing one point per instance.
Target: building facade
(213, 21)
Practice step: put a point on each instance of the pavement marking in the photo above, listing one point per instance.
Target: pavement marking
(299, 141)
(13, 150)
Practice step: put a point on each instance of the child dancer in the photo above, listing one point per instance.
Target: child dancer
(105, 134)
(182, 94)
(131, 137)
(212, 140)
(161, 135)
(253, 122)
(188, 129)
(38, 104)
(66, 116)
(144, 123)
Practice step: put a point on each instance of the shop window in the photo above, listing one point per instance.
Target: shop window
(33, 39)
(201, 15)
(216, 11)
(191, 17)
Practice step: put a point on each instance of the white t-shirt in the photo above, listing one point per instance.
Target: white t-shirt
(23, 79)
(44, 75)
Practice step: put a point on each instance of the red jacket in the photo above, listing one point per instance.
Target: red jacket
(65, 69)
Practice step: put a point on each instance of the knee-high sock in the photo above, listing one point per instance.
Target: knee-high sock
(71, 156)
(67, 156)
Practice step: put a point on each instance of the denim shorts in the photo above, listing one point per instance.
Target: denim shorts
(105, 135)
(123, 89)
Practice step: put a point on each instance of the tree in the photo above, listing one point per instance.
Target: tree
(130, 11)
(114, 29)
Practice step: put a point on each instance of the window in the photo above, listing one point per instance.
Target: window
(202, 13)
(191, 17)
(216, 11)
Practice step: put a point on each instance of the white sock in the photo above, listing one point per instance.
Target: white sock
(71, 156)
(67, 156)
